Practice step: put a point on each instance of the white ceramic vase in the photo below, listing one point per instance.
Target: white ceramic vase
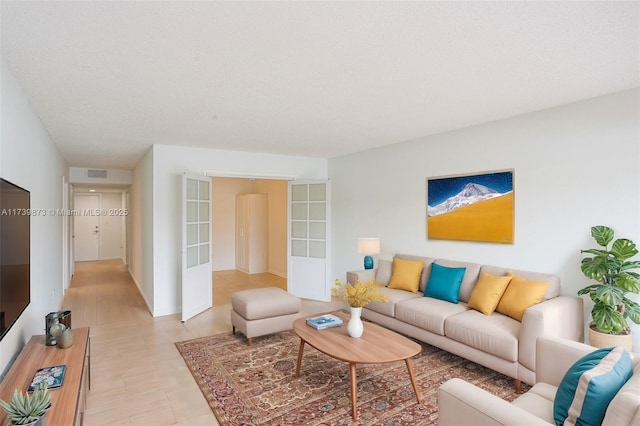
(354, 326)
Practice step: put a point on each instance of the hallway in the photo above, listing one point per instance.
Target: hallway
(138, 378)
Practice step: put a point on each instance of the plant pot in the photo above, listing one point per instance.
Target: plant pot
(604, 340)
(355, 328)
(40, 422)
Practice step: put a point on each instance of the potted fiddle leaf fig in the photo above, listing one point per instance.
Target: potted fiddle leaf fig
(614, 272)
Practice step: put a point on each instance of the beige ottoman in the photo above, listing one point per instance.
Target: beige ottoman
(262, 311)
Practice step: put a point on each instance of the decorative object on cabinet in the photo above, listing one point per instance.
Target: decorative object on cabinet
(25, 409)
(52, 377)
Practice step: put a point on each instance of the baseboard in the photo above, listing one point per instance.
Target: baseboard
(146, 302)
(279, 274)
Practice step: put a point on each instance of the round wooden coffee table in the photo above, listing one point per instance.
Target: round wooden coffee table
(376, 346)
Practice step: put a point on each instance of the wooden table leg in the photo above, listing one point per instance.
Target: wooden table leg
(413, 380)
(354, 389)
(300, 351)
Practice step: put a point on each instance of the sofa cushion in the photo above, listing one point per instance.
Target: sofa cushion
(383, 273)
(538, 401)
(589, 385)
(554, 282)
(427, 313)
(444, 283)
(624, 409)
(406, 274)
(425, 271)
(495, 334)
(520, 295)
(394, 296)
(487, 292)
(470, 276)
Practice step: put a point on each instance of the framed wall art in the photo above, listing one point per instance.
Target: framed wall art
(472, 207)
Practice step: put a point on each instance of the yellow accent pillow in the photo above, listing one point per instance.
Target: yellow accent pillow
(520, 295)
(406, 274)
(487, 292)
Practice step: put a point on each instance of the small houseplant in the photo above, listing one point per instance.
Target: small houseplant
(25, 409)
(611, 267)
(357, 296)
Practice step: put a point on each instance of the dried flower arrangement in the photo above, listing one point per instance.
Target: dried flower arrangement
(360, 294)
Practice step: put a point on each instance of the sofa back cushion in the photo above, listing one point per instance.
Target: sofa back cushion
(425, 271)
(383, 272)
(589, 385)
(554, 282)
(470, 276)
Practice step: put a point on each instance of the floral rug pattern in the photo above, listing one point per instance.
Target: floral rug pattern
(256, 385)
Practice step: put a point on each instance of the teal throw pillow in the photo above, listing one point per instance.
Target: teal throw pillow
(444, 283)
(589, 385)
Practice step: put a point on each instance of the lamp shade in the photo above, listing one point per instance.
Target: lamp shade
(368, 246)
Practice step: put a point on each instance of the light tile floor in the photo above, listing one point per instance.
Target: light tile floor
(138, 378)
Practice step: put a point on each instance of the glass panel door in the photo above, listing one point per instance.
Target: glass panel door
(309, 239)
(196, 246)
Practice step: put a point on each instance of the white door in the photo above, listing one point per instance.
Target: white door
(86, 227)
(308, 239)
(196, 245)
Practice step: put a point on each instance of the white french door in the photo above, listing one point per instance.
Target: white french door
(308, 241)
(196, 245)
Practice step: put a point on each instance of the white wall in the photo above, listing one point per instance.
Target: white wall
(140, 227)
(575, 166)
(30, 159)
(169, 163)
(114, 176)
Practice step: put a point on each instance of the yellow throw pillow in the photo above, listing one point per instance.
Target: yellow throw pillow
(406, 274)
(520, 295)
(487, 292)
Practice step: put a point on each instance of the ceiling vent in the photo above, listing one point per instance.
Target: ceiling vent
(97, 174)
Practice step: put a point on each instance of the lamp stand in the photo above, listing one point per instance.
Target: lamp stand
(368, 262)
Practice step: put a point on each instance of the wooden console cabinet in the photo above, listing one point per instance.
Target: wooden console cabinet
(67, 402)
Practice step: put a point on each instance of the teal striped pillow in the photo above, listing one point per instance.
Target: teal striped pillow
(589, 385)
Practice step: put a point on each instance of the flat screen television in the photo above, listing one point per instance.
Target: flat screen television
(15, 281)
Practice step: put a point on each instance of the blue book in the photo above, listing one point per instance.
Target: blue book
(324, 321)
(52, 376)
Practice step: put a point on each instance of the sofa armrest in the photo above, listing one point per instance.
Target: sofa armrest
(555, 356)
(461, 403)
(562, 316)
(363, 275)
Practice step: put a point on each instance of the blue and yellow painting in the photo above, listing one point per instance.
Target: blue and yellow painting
(472, 207)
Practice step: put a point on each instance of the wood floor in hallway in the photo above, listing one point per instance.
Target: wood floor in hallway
(138, 378)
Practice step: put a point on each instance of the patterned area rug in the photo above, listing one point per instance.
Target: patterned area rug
(256, 385)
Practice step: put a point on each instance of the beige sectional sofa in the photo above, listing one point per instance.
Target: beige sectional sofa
(496, 341)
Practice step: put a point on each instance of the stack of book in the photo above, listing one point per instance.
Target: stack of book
(324, 321)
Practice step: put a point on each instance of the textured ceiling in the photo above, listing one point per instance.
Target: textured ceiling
(108, 79)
